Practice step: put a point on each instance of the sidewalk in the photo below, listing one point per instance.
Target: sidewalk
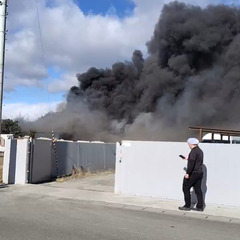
(99, 190)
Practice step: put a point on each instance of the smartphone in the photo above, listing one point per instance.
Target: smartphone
(181, 156)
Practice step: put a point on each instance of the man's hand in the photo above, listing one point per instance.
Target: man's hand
(186, 176)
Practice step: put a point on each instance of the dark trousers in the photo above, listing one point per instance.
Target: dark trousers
(195, 181)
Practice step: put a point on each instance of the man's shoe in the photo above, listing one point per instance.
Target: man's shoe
(198, 209)
(184, 208)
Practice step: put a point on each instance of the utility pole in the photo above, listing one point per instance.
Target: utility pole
(3, 17)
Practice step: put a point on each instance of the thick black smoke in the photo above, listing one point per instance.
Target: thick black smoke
(191, 77)
(114, 91)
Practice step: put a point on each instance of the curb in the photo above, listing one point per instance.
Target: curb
(196, 215)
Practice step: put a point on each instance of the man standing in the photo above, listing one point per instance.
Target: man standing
(194, 175)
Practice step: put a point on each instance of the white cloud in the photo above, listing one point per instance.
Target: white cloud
(71, 40)
(64, 83)
(23, 65)
(28, 111)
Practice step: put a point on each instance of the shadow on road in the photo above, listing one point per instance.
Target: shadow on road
(3, 186)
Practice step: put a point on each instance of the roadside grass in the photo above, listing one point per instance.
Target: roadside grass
(80, 173)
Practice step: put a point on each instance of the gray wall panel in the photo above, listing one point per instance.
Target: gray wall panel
(89, 156)
(12, 163)
(43, 165)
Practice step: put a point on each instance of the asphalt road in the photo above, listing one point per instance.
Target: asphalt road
(39, 218)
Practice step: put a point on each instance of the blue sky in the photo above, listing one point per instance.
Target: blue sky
(121, 7)
(74, 35)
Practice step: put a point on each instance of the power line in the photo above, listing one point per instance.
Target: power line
(49, 101)
(43, 55)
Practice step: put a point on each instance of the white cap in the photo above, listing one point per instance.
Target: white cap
(193, 141)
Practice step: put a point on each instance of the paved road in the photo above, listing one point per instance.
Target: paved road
(38, 218)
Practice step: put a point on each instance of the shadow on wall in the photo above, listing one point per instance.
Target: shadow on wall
(204, 188)
(12, 162)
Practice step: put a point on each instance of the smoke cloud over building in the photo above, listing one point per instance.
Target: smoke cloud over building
(190, 77)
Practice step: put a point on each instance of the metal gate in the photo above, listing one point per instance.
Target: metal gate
(43, 165)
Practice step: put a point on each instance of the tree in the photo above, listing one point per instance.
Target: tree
(11, 127)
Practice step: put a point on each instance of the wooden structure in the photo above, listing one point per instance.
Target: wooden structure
(222, 132)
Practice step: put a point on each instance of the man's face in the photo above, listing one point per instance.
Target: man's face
(192, 146)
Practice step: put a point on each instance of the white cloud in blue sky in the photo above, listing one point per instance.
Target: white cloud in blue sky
(75, 34)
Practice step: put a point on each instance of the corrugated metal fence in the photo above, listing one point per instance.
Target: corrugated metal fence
(88, 156)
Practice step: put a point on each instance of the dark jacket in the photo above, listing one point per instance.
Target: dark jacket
(195, 161)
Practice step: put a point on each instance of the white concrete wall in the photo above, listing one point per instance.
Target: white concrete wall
(21, 161)
(154, 169)
(6, 161)
(4, 138)
(15, 163)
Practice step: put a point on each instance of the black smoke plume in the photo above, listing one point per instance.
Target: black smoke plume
(191, 77)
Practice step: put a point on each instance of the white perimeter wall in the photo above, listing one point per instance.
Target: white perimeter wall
(4, 137)
(15, 164)
(6, 162)
(21, 161)
(154, 169)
